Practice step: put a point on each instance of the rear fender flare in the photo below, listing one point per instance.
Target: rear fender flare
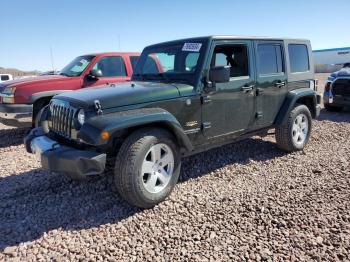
(290, 102)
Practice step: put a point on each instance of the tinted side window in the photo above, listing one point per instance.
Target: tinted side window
(111, 66)
(235, 56)
(133, 61)
(298, 58)
(5, 78)
(270, 59)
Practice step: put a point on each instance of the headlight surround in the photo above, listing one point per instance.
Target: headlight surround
(8, 95)
(330, 78)
(10, 90)
(81, 116)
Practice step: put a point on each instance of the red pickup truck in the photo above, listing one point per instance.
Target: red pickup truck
(21, 100)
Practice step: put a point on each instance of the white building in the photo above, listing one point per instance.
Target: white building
(330, 60)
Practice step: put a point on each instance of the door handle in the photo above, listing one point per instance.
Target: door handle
(280, 84)
(247, 88)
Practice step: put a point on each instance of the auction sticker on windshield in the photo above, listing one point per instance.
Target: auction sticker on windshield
(192, 47)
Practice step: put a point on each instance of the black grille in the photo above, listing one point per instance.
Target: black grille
(62, 117)
(341, 87)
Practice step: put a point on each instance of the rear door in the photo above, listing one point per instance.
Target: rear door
(271, 80)
(113, 70)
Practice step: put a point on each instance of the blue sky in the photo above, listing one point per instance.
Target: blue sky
(75, 27)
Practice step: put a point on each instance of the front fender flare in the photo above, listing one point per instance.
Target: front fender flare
(118, 122)
(290, 101)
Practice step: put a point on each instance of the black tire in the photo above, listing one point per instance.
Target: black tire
(129, 180)
(284, 132)
(331, 108)
(36, 118)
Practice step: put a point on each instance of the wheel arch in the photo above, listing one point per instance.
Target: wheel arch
(121, 124)
(304, 96)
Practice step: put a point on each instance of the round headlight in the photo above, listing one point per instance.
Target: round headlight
(81, 116)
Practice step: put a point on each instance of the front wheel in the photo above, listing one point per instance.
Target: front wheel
(295, 133)
(147, 167)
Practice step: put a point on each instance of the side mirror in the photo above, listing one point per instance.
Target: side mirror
(95, 73)
(219, 74)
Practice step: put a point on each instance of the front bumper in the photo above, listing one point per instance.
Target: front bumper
(336, 100)
(16, 115)
(64, 159)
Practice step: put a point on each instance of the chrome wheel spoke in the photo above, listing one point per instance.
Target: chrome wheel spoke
(151, 182)
(163, 175)
(303, 125)
(166, 159)
(157, 167)
(147, 167)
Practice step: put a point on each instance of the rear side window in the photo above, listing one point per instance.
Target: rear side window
(134, 60)
(111, 66)
(5, 78)
(298, 58)
(270, 60)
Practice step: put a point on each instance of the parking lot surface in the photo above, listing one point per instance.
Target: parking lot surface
(247, 200)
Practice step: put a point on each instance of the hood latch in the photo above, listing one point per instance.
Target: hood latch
(98, 107)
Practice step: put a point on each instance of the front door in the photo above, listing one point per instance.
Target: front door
(230, 109)
(271, 81)
(113, 71)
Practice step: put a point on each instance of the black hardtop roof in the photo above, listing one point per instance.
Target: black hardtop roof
(231, 37)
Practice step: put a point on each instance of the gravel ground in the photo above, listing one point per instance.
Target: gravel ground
(245, 201)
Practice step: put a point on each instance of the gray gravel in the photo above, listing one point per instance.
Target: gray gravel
(246, 201)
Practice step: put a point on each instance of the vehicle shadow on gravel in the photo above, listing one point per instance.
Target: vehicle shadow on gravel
(241, 153)
(12, 137)
(36, 202)
(338, 117)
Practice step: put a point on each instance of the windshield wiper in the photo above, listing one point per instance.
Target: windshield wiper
(64, 74)
(157, 76)
(139, 76)
(160, 76)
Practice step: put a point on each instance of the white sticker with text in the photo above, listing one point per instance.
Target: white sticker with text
(192, 47)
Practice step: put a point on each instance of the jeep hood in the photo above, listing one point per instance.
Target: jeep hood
(32, 80)
(123, 94)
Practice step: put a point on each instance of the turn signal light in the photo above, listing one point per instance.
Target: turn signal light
(105, 135)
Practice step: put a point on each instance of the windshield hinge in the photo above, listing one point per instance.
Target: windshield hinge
(98, 107)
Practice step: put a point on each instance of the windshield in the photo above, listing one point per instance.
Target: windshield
(173, 61)
(77, 66)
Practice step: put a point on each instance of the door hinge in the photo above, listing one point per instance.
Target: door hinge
(259, 115)
(205, 99)
(259, 91)
(206, 125)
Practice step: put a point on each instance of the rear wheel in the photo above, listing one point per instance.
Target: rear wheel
(295, 133)
(331, 108)
(147, 167)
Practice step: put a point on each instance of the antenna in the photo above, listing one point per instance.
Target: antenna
(52, 62)
(119, 43)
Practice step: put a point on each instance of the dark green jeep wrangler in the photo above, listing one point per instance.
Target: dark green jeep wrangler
(185, 96)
